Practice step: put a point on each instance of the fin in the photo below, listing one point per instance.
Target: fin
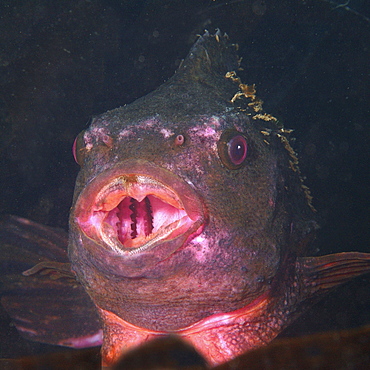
(38, 289)
(324, 273)
(56, 270)
(210, 53)
(203, 76)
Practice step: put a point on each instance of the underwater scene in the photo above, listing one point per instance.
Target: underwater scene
(185, 184)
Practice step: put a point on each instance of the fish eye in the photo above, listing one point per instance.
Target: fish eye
(232, 149)
(237, 149)
(78, 148)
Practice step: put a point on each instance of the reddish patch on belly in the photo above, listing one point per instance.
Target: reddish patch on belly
(218, 338)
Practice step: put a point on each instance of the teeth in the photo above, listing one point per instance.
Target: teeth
(141, 218)
(148, 219)
(133, 207)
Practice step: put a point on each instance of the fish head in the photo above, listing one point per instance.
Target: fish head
(204, 189)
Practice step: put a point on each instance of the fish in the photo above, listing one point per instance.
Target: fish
(190, 218)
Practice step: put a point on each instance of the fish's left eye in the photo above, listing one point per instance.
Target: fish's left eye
(232, 149)
(237, 149)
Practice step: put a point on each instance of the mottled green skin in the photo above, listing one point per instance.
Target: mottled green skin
(256, 216)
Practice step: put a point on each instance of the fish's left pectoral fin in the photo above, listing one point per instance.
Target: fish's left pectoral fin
(55, 270)
(321, 274)
(54, 313)
(38, 289)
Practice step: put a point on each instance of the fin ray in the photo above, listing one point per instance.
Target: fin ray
(324, 273)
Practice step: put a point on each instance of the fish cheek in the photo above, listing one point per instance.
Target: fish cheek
(256, 261)
(243, 207)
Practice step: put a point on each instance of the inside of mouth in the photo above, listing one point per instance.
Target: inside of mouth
(134, 222)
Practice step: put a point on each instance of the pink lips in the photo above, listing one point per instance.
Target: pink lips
(137, 206)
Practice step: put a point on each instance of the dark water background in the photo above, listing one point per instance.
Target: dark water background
(62, 62)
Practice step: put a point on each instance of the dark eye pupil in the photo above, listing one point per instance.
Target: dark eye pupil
(237, 149)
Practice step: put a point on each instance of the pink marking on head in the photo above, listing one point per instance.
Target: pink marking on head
(215, 122)
(135, 128)
(149, 123)
(200, 248)
(102, 134)
(166, 133)
(204, 130)
(88, 140)
(125, 133)
(208, 127)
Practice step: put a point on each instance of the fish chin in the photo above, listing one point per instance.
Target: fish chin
(136, 207)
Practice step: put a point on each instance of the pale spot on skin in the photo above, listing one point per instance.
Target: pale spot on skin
(97, 135)
(170, 167)
(202, 245)
(100, 134)
(151, 124)
(144, 125)
(204, 131)
(166, 133)
(88, 140)
(205, 138)
(125, 133)
(214, 122)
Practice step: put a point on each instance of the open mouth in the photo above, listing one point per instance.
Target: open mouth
(131, 213)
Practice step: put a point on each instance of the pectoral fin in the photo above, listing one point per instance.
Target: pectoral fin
(322, 274)
(38, 289)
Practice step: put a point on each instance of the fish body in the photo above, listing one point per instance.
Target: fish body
(190, 216)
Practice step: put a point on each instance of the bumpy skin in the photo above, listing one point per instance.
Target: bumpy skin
(253, 220)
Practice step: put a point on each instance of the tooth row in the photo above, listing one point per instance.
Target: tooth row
(148, 219)
(144, 210)
(133, 207)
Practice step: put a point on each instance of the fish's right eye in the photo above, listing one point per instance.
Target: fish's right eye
(78, 148)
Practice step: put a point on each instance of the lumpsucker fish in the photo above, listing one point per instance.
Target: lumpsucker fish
(190, 218)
